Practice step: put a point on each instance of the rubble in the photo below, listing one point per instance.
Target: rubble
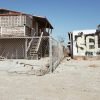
(30, 67)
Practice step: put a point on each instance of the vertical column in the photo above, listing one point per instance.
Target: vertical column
(36, 28)
(26, 48)
(1, 30)
(50, 53)
(24, 30)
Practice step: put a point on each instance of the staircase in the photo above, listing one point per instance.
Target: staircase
(33, 52)
(35, 47)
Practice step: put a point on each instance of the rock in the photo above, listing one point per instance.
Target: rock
(41, 72)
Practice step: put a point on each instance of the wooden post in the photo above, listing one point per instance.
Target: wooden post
(49, 29)
(16, 54)
(24, 30)
(1, 30)
(50, 53)
(37, 27)
(26, 48)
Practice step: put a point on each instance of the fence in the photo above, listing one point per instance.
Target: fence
(56, 53)
(32, 48)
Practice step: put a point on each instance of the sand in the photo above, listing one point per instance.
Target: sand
(72, 80)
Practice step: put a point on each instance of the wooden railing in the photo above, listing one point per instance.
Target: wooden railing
(39, 42)
(29, 45)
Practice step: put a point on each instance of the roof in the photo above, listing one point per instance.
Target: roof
(87, 31)
(7, 11)
(42, 20)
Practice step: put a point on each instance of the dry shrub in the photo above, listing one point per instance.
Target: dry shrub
(93, 65)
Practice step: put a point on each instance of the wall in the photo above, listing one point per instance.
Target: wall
(86, 43)
(12, 48)
(12, 31)
(15, 25)
(20, 20)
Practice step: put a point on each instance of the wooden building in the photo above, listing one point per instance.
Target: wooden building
(21, 35)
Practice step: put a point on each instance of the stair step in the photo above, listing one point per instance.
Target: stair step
(34, 57)
(32, 53)
(34, 45)
(33, 48)
(35, 41)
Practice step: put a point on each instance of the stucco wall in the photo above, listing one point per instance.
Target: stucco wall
(86, 43)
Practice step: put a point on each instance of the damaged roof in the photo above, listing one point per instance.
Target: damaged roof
(42, 20)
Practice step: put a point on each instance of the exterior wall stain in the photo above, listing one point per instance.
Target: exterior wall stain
(85, 43)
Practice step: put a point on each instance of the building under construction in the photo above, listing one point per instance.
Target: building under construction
(21, 35)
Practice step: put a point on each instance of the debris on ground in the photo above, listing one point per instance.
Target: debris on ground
(24, 66)
(93, 65)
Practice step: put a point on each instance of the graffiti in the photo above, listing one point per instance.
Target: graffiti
(89, 44)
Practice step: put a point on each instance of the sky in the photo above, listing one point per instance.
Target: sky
(64, 15)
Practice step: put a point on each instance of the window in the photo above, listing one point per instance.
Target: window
(91, 47)
(91, 40)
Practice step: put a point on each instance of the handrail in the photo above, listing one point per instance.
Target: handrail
(34, 34)
(30, 43)
(39, 41)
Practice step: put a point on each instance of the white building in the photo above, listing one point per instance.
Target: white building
(84, 44)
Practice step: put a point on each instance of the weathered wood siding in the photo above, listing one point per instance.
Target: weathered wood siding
(20, 20)
(12, 31)
(15, 25)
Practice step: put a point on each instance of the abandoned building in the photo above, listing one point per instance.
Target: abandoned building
(84, 44)
(21, 35)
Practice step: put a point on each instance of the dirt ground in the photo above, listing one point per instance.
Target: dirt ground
(72, 80)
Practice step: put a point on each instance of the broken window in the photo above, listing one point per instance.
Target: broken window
(91, 40)
(91, 47)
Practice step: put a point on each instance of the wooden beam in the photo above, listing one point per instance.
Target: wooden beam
(23, 37)
(29, 44)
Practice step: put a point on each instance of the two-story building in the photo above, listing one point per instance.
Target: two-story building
(21, 35)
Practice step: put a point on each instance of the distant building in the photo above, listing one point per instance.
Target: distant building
(84, 44)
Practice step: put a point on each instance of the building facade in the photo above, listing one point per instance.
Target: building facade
(21, 34)
(84, 44)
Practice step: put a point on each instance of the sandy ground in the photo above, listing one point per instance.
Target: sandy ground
(72, 80)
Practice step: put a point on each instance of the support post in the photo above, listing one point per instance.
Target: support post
(37, 27)
(26, 48)
(51, 31)
(1, 30)
(24, 30)
(50, 53)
